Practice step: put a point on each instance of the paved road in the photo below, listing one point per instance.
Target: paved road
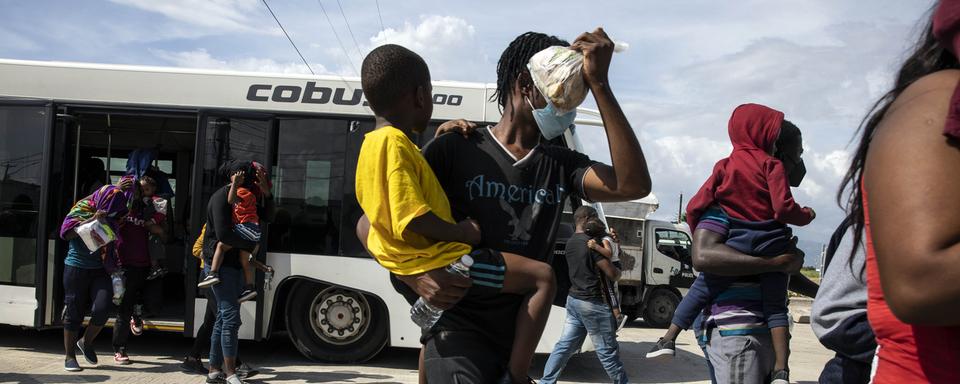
(28, 356)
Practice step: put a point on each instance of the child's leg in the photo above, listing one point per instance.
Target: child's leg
(781, 347)
(247, 268)
(218, 256)
(704, 289)
(534, 280)
(774, 292)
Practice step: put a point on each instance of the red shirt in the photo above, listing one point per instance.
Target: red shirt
(750, 184)
(245, 210)
(907, 353)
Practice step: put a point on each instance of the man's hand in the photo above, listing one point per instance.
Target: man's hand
(792, 260)
(597, 49)
(263, 182)
(461, 126)
(470, 231)
(438, 287)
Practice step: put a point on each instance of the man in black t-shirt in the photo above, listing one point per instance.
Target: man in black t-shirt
(587, 313)
(509, 179)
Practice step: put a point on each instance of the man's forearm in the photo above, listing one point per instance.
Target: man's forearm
(629, 163)
(711, 255)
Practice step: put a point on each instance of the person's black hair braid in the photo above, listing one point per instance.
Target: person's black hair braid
(928, 56)
(514, 59)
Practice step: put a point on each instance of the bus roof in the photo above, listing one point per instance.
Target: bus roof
(215, 89)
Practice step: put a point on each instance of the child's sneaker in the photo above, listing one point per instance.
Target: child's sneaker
(212, 279)
(120, 357)
(781, 377)
(156, 272)
(663, 348)
(247, 294)
(136, 325)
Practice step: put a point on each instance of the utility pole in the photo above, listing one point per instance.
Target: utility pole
(680, 209)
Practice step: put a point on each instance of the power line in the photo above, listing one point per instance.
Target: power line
(379, 15)
(342, 47)
(288, 38)
(355, 44)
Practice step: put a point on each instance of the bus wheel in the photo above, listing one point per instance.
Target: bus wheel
(334, 324)
(660, 307)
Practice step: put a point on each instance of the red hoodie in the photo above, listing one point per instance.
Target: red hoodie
(750, 184)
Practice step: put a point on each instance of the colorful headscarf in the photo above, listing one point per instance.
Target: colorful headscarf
(946, 28)
(109, 198)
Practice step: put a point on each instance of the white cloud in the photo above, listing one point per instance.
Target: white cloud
(834, 163)
(447, 43)
(200, 58)
(221, 15)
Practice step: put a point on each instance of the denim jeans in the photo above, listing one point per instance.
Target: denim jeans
(224, 340)
(586, 318)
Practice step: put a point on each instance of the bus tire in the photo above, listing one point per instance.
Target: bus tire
(661, 304)
(335, 324)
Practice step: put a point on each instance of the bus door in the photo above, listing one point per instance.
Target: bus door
(224, 136)
(26, 131)
(90, 147)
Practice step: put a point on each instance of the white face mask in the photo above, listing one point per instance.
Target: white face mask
(550, 123)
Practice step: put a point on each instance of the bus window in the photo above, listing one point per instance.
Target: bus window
(21, 152)
(308, 186)
(230, 139)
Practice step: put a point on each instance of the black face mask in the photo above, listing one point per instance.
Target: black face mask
(797, 169)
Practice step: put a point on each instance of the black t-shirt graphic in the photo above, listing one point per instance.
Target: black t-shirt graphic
(582, 264)
(518, 205)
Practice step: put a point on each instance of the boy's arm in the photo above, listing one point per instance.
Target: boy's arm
(785, 209)
(235, 180)
(603, 249)
(432, 227)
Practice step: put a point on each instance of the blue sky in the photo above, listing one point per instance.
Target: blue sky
(689, 64)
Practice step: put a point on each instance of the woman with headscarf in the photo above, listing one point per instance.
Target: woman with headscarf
(903, 199)
(85, 277)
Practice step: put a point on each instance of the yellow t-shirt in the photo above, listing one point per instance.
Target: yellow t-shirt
(395, 185)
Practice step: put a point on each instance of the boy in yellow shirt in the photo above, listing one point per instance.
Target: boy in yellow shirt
(412, 230)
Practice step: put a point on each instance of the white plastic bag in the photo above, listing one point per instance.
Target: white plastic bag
(95, 234)
(558, 74)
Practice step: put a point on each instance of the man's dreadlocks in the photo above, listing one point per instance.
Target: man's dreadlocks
(514, 61)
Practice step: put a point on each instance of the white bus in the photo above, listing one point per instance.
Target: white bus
(333, 300)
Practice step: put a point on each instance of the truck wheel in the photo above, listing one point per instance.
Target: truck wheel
(334, 324)
(660, 307)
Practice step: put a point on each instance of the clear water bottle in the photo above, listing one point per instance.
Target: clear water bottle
(426, 315)
(118, 287)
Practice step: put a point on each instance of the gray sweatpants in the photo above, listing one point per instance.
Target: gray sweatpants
(741, 359)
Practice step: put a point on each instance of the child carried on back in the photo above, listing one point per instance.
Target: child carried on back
(243, 196)
(752, 189)
(412, 230)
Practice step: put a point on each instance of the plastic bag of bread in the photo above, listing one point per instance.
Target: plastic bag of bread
(558, 73)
